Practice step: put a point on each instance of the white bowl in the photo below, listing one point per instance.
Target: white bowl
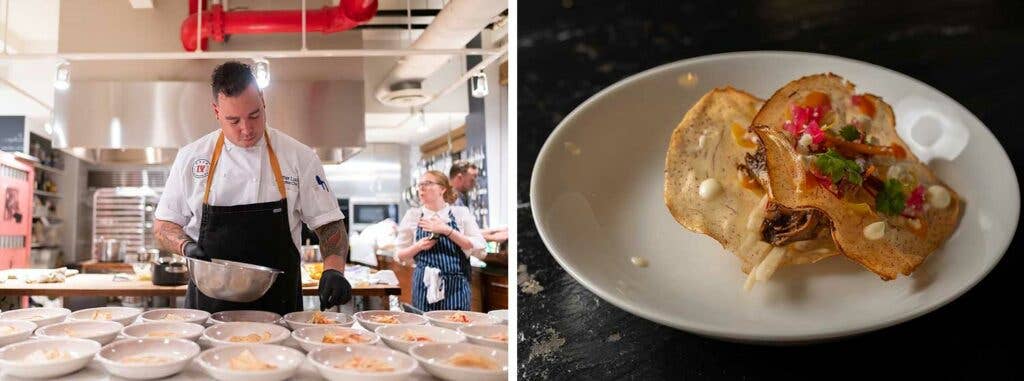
(438, 318)
(252, 316)
(325, 360)
(220, 334)
(287, 360)
(179, 354)
(181, 330)
(79, 351)
(501, 315)
(123, 315)
(433, 358)
(190, 316)
(364, 318)
(692, 283)
(42, 316)
(102, 332)
(392, 336)
(311, 338)
(300, 319)
(22, 330)
(479, 334)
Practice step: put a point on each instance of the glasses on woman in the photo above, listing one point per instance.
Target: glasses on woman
(424, 184)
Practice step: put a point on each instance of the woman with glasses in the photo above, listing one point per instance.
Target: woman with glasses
(440, 238)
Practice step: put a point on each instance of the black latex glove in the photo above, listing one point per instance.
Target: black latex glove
(334, 289)
(192, 250)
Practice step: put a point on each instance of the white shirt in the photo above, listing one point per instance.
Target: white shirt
(463, 219)
(244, 176)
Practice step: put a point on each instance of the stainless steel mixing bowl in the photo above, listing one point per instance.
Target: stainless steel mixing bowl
(231, 281)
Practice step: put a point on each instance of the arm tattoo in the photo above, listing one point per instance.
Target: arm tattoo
(333, 239)
(169, 236)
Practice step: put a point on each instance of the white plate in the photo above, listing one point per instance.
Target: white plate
(596, 197)
(433, 358)
(78, 351)
(102, 332)
(365, 318)
(216, 362)
(181, 330)
(439, 318)
(481, 335)
(300, 319)
(42, 316)
(21, 330)
(310, 338)
(245, 316)
(220, 334)
(325, 360)
(178, 353)
(186, 315)
(123, 315)
(392, 335)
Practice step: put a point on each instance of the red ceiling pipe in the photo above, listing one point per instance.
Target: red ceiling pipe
(217, 23)
(193, 7)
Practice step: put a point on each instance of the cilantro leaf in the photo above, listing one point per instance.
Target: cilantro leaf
(891, 199)
(849, 132)
(837, 167)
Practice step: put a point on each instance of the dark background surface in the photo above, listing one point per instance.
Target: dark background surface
(569, 50)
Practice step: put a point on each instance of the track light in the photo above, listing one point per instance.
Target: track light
(63, 80)
(262, 72)
(478, 85)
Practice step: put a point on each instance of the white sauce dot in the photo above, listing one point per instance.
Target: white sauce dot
(938, 196)
(875, 231)
(709, 188)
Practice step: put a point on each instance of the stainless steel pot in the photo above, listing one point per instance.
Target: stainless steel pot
(112, 250)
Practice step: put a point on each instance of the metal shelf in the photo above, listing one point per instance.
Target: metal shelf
(47, 194)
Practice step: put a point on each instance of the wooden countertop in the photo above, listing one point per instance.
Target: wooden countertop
(104, 285)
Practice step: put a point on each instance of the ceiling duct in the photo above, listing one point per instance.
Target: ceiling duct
(453, 28)
(143, 122)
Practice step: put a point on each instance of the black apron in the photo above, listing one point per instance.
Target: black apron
(258, 234)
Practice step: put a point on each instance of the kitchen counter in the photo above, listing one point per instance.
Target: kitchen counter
(106, 285)
(570, 50)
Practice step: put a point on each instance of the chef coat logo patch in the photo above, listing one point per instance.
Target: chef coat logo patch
(200, 168)
(290, 180)
(322, 184)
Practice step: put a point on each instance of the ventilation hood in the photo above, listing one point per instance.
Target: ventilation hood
(145, 122)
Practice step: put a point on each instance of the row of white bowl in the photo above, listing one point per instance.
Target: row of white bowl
(44, 316)
(215, 361)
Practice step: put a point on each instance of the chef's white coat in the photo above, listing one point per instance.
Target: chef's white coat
(244, 176)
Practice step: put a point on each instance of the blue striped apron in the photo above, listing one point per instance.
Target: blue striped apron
(449, 258)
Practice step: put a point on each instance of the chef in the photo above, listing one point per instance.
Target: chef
(242, 192)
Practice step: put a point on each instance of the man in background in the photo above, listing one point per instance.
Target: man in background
(463, 179)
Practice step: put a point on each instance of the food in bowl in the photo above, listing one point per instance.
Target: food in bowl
(101, 315)
(500, 336)
(458, 317)
(366, 365)
(472, 360)
(7, 330)
(174, 316)
(343, 338)
(251, 338)
(162, 334)
(385, 319)
(319, 318)
(46, 355)
(147, 359)
(248, 362)
(411, 335)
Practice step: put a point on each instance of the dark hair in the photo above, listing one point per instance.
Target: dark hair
(460, 167)
(231, 78)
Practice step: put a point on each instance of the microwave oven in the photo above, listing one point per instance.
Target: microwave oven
(366, 212)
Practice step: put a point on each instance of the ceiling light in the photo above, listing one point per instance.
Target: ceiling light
(478, 85)
(63, 81)
(262, 72)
